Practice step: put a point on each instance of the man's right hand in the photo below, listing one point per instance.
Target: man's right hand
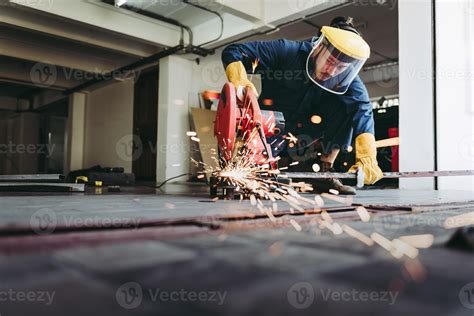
(237, 75)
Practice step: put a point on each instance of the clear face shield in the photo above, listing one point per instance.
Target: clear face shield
(333, 67)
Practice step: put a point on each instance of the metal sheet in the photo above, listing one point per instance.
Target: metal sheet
(42, 187)
(31, 177)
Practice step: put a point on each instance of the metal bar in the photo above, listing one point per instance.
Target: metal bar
(390, 175)
(42, 187)
(31, 177)
(320, 175)
(428, 174)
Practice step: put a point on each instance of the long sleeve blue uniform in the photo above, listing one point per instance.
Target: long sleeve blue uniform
(282, 66)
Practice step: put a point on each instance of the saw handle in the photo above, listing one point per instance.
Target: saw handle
(250, 99)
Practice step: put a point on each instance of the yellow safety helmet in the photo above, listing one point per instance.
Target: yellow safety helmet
(336, 58)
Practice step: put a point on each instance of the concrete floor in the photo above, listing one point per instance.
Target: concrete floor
(147, 253)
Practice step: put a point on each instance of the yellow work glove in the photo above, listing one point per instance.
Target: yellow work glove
(366, 157)
(238, 76)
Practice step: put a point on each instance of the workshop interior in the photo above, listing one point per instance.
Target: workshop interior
(236, 157)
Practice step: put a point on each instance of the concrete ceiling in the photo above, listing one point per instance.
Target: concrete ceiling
(36, 46)
(376, 20)
(378, 24)
(17, 91)
(176, 9)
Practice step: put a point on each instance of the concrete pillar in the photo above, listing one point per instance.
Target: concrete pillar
(175, 82)
(109, 138)
(455, 90)
(417, 128)
(75, 132)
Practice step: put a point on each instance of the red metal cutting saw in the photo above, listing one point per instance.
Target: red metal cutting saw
(241, 123)
(242, 127)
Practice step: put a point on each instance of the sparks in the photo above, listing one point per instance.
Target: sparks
(291, 138)
(316, 167)
(255, 64)
(257, 182)
(363, 214)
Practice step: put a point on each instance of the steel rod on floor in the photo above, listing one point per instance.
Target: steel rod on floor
(389, 175)
(359, 176)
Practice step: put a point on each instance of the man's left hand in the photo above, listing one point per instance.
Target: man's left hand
(366, 157)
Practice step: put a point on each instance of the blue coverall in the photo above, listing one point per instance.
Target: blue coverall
(282, 66)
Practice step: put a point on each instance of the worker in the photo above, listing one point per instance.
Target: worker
(315, 84)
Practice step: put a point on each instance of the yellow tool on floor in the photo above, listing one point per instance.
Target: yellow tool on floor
(84, 179)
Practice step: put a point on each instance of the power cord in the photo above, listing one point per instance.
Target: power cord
(172, 178)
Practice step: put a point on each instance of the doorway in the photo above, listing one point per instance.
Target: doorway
(145, 124)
